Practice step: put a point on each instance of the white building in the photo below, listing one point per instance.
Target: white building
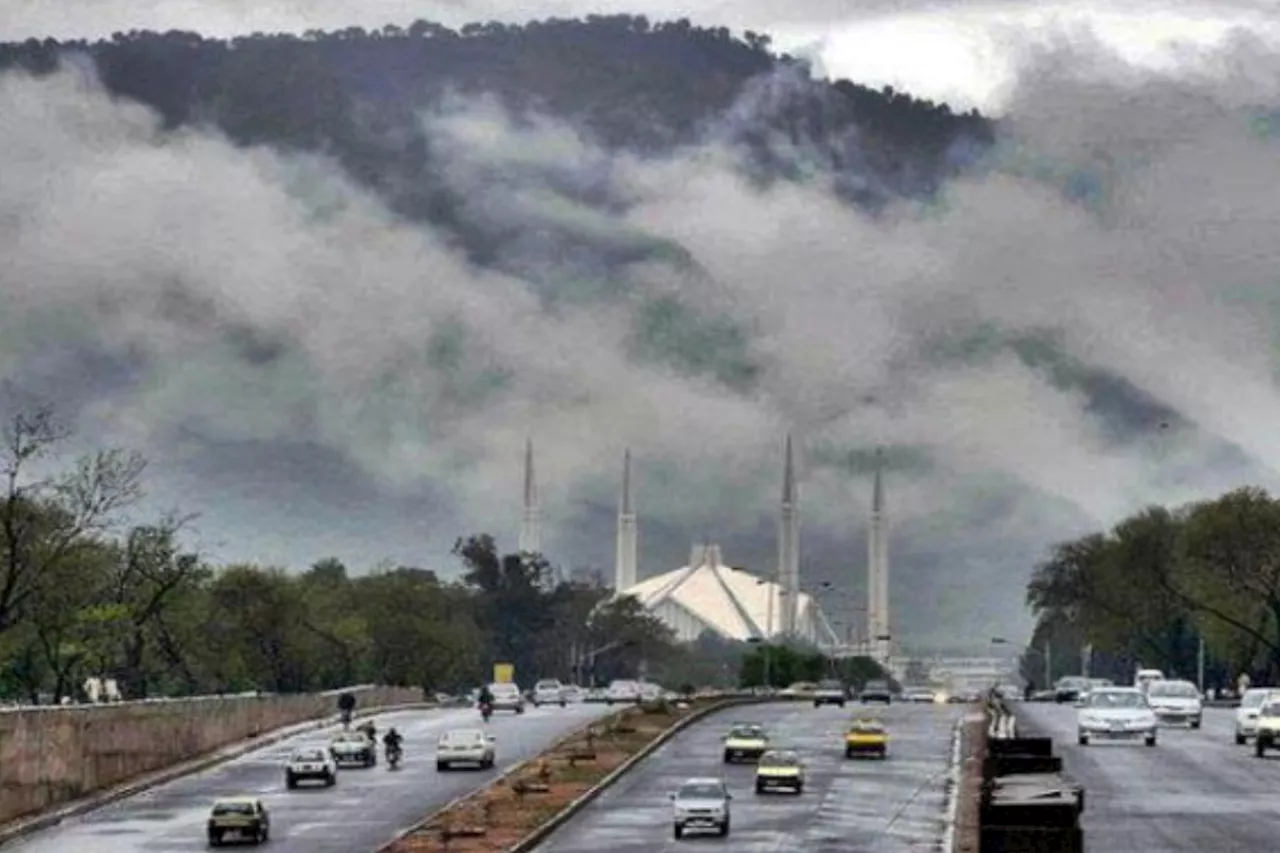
(733, 603)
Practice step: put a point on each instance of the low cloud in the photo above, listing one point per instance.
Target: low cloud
(1085, 324)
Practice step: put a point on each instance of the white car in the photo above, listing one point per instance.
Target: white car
(507, 697)
(701, 804)
(1247, 714)
(1116, 714)
(549, 691)
(465, 746)
(311, 763)
(353, 748)
(1176, 702)
(622, 690)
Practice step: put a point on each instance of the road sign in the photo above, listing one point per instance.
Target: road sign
(504, 673)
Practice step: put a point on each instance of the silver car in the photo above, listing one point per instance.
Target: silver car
(465, 746)
(507, 697)
(1247, 714)
(1116, 714)
(701, 804)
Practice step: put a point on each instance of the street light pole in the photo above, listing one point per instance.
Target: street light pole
(1200, 666)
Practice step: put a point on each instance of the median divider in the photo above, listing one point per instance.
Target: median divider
(517, 811)
(1026, 803)
(40, 822)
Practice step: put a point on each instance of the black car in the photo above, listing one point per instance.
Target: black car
(1070, 688)
(876, 691)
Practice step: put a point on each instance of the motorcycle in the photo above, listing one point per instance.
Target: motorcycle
(393, 757)
(486, 711)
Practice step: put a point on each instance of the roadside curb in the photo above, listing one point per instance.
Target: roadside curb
(539, 835)
(27, 826)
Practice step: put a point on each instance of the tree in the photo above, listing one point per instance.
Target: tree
(44, 522)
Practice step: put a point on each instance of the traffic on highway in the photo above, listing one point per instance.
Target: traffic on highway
(1163, 771)
(781, 776)
(327, 791)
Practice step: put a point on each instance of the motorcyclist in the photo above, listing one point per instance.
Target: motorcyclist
(392, 740)
(485, 700)
(370, 730)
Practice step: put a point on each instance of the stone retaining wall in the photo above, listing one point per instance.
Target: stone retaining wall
(51, 755)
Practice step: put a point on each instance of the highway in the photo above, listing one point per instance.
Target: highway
(1195, 791)
(866, 805)
(363, 811)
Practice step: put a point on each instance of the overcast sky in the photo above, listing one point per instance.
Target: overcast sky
(962, 51)
(269, 333)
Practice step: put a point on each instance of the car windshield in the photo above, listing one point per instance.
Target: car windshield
(746, 732)
(309, 755)
(1253, 700)
(503, 688)
(867, 726)
(233, 808)
(1116, 699)
(547, 685)
(877, 685)
(780, 759)
(830, 685)
(352, 737)
(461, 737)
(1174, 689)
(700, 791)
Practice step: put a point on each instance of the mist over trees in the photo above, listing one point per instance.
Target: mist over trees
(86, 591)
(628, 82)
(1149, 589)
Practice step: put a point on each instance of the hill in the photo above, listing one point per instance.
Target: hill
(625, 81)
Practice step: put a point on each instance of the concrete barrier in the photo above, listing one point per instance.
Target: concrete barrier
(1026, 805)
(51, 755)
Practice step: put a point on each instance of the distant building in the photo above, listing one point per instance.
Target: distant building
(707, 595)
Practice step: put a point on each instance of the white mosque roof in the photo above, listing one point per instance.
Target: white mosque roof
(734, 603)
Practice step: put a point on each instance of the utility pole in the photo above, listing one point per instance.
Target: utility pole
(1048, 667)
(1200, 666)
(1086, 659)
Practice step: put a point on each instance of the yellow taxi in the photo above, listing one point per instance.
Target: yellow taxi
(239, 818)
(866, 738)
(780, 768)
(745, 741)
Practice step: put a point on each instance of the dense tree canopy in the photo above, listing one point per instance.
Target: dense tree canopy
(1150, 589)
(83, 595)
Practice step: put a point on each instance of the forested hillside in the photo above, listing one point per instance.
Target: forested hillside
(626, 81)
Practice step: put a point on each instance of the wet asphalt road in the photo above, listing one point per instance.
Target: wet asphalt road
(870, 806)
(1194, 791)
(363, 811)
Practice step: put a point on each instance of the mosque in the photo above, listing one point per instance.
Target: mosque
(734, 603)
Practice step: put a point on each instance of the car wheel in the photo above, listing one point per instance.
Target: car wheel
(1241, 740)
(1259, 750)
(800, 789)
(442, 766)
(728, 757)
(759, 788)
(724, 829)
(848, 753)
(331, 780)
(1151, 739)
(677, 830)
(1195, 724)
(520, 710)
(290, 782)
(215, 839)
(817, 704)
(564, 704)
(1082, 739)
(841, 704)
